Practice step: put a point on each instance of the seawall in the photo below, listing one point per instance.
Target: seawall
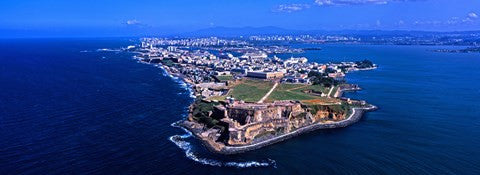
(356, 115)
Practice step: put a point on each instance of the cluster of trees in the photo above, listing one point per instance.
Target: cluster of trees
(318, 78)
(364, 64)
(201, 114)
(167, 62)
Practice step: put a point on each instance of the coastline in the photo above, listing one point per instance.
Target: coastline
(229, 150)
(354, 117)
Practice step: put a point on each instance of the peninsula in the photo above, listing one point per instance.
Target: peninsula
(247, 98)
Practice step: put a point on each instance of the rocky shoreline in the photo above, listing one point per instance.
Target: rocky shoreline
(354, 117)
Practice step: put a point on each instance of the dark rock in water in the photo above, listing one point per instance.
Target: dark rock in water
(156, 61)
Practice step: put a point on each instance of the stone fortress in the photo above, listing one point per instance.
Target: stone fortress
(253, 122)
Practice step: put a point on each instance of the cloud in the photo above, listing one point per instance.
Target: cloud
(470, 19)
(298, 7)
(355, 2)
(291, 7)
(473, 15)
(133, 22)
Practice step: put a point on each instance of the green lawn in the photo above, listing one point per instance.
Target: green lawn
(284, 86)
(295, 92)
(289, 95)
(318, 88)
(250, 90)
(225, 77)
(167, 62)
(218, 98)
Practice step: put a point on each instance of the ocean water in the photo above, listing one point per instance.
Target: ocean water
(66, 107)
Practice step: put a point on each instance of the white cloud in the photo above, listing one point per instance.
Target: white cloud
(298, 7)
(469, 19)
(473, 15)
(133, 22)
(355, 2)
(291, 7)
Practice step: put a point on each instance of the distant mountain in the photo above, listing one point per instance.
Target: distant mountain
(242, 31)
(270, 30)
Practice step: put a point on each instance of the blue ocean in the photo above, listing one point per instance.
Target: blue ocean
(81, 106)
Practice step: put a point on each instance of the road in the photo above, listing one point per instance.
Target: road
(330, 92)
(268, 93)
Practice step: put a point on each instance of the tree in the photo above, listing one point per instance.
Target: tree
(364, 64)
(318, 78)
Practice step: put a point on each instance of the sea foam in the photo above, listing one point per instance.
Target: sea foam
(108, 50)
(186, 146)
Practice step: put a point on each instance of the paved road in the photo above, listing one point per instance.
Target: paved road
(330, 92)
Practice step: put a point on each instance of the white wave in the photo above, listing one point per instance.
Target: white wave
(192, 95)
(183, 84)
(186, 146)
(189, 90)
(179, 140)
(137, 58)
(108, 50)
(178, 80)
(248, 164)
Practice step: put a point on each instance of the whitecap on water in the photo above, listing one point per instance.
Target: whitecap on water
(108, 50)
(179, 140)
(192, 95)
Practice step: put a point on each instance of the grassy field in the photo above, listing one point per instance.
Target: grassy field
(334, 91)
(253, 90)
(250, 90)
(218, 98)
(225, 77)
(296, 92)
(167, 62)
(289, 95)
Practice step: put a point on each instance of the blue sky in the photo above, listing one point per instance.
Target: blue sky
(120, 17)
